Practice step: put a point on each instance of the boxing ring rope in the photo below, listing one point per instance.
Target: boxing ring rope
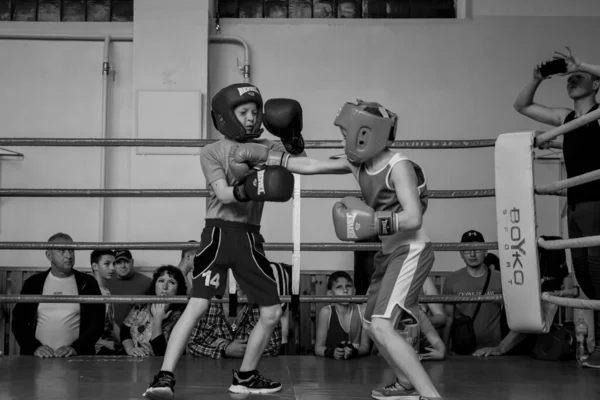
(308, 144)
(307, 193)
(588, 241)
(99, 299)
(341, 246)
(561, 130)
(554, 297)
(573, 303)
(568, 183)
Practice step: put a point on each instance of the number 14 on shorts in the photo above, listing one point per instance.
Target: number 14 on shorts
(208, 281)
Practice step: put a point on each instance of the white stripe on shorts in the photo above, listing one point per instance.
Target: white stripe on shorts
(198, 254)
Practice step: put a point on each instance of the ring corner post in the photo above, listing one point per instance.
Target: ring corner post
(517, 231)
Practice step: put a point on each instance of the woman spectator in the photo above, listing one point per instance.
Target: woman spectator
(146, 329)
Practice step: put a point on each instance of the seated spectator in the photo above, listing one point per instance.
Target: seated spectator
(434, 311)
(431, 345)
(492, 261)
(58, 329)
(147, 327)
(103, 269)
(484, 317)
(217, 335)
(186, 265)
(424, 338)
(339, 328)
(127, 281)
(553, 272)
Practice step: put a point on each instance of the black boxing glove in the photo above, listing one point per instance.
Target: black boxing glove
(268, 184)
(245, 156)
(283, 118)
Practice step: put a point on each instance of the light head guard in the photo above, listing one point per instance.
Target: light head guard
(224, 103)
(368, 127)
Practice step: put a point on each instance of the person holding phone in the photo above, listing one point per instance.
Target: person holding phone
(580, 148)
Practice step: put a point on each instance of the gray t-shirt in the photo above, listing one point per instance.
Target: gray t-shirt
(137, 285)
(487, 324)
(214, 159)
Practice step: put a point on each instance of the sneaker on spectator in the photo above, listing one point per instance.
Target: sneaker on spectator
(162, 387)
(396, 391)
(255, 384)
(593, 361)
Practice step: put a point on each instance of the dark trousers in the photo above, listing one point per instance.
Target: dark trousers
(584, 220)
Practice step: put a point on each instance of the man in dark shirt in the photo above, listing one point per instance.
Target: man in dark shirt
(127, 281)
(580, 147)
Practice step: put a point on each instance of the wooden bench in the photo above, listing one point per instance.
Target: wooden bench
(302, 328)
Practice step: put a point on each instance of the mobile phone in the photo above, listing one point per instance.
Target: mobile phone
(558, 66)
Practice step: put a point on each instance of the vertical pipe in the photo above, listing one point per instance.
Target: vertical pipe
(463, 9)
(232, 39)
(103, 130)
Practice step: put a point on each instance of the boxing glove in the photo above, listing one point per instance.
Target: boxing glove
(268, 184)
(247, 156)
(354, 220)
(283, 118)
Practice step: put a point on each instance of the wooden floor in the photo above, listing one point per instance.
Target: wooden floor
(303, 377)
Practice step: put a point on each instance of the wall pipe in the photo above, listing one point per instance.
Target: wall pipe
(106, 68)
(65, 37)
(236, 40)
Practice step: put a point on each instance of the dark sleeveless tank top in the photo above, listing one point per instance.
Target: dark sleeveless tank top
(580, 151)
(337, 334)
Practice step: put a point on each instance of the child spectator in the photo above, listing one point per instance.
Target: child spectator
(103, 269)
(339, 328)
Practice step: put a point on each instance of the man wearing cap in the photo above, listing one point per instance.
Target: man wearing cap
(470, 281)
(127, 281)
